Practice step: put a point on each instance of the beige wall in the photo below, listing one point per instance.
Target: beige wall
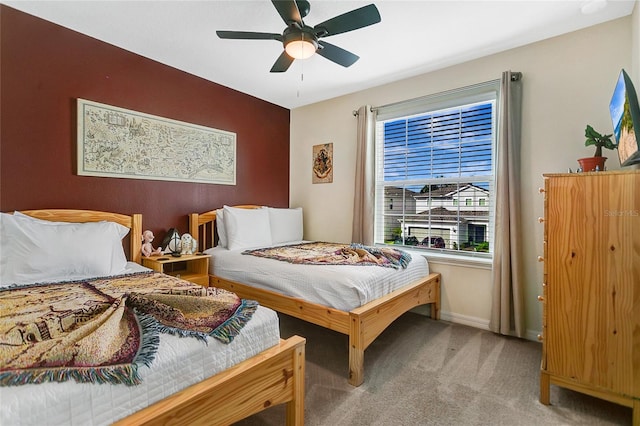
(567, 83)
(635, 45)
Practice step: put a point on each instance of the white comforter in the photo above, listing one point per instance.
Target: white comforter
(180, 362)
(343, 287)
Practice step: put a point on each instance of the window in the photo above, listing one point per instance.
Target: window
(435, 157)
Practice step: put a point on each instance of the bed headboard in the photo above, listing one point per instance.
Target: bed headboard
(202, 226)
(133, 222)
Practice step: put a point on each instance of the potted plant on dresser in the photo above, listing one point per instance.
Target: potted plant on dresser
(595, 163)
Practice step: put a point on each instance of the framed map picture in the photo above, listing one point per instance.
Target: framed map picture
(323, 163)
(115, 142)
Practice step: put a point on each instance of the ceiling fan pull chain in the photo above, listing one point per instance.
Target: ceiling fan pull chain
(301, 80)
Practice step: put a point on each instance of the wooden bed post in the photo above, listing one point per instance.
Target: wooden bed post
(194, 230)
(136, 238)
(295, 408)
(356, 351)
(435, 306)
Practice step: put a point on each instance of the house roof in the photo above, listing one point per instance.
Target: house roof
(394, 191)
(443, 214)
(449, 190)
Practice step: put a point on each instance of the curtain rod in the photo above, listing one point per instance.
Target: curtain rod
(356, 113)
(515, 76)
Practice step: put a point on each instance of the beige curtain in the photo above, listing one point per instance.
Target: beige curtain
(363, 203)
(507, 311)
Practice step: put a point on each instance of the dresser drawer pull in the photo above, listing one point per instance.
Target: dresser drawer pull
(541, 298)
(541, 219)
(540, 338)
(540, 259)
(541, 190)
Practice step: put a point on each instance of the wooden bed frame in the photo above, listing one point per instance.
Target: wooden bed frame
(272, 377)
(362, 324)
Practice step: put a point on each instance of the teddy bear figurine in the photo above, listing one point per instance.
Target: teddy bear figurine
(147, 248)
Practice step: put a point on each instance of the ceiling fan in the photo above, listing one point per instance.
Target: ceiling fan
(302, 41)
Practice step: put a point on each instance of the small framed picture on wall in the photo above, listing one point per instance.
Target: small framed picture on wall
(323, 163)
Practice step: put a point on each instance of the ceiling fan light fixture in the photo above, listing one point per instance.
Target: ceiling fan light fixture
(301, 45)
(301, 41)
(300, 49)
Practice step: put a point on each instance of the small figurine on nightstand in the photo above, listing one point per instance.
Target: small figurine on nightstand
(189, 244)
(147, 248)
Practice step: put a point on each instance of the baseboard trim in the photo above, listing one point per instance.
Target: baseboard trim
(465, 320)
(533, 335)
(476, 322)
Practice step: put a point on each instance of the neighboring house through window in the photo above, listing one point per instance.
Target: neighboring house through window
(435, 159)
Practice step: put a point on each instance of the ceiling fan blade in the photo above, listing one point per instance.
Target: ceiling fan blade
(336, 54)
(246, 35)
(283, 63)
(288, 10)
(357, 18)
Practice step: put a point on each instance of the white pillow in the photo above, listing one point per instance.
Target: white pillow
(286, 225)
(116, 246)
(222, 233)
(246, 228)
(122, 230)
(33, 250)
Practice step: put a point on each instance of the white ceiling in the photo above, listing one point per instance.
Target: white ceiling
(413, 37)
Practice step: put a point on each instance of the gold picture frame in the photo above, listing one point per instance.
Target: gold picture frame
(322, 167)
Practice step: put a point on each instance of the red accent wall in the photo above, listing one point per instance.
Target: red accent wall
(45, 68)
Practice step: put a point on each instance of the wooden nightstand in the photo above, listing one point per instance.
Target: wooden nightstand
(190, 267)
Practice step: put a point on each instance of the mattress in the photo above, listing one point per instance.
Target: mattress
(343, 287)
(179, 363)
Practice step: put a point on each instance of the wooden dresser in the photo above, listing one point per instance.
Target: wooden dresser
(591, 289)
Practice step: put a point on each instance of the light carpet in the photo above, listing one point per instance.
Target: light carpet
(425, 372)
